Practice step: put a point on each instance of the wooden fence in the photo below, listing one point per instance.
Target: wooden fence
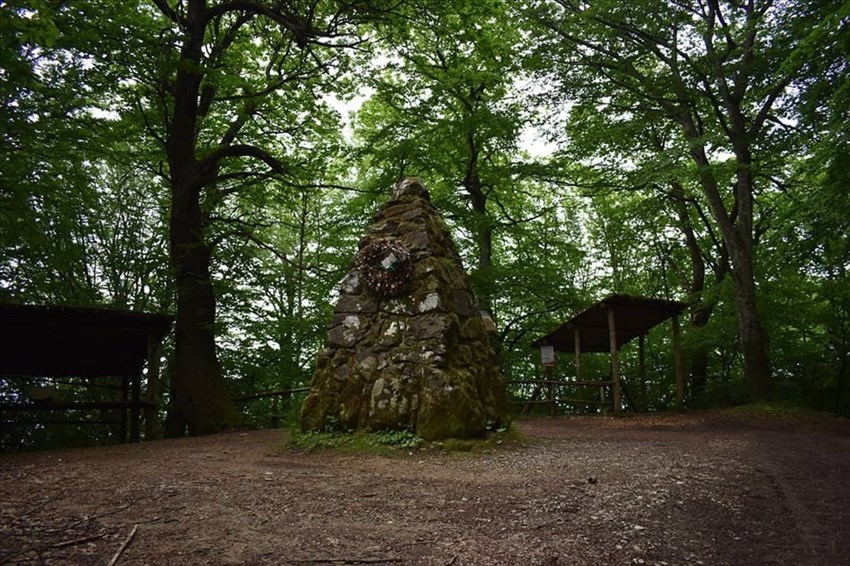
(548, 387)
(277, 398)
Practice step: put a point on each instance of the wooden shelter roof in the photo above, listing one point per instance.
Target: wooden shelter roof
(55, 341)
(633, 316)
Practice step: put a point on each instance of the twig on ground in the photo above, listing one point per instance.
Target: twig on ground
(39, 549)
(39, 506)
(157, 520)
(124, 546)
(104, 514)
(75, 541)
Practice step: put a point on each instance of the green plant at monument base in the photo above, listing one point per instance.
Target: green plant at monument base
(384, 443)
(388, 442)
(399, 438)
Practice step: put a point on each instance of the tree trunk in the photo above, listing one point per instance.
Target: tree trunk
(738, 241)
(840, 381)
(200, 394)
(699, 372)
(700, 312)
(699, 317)
(754, 343)
(753, 338)
(483, 231)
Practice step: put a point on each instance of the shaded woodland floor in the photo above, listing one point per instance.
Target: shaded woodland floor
(705, 488)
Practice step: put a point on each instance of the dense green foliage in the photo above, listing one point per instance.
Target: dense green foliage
(679, 149)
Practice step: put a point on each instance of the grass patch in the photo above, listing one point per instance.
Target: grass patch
(768, 410)
(783, 413)
(391, 442)
(382, 442)
(501, 439)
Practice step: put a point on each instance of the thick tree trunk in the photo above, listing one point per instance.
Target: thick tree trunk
(753, 337)
(483, 235)
(200, 394)
(754, 342)
(738, 240)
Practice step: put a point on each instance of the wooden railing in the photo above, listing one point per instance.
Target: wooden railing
(127, 414)
(277, 398)
(548, 386)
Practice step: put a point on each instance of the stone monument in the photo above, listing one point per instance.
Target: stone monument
(406, 348)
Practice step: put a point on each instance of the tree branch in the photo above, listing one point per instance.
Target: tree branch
(212, 161)
(301, 29)
(170, 12)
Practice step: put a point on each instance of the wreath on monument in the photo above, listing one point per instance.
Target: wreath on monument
(385, 267)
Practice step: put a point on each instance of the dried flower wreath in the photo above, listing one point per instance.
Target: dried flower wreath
(385, 267)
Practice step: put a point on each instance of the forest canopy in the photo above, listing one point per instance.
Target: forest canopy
(219, 160)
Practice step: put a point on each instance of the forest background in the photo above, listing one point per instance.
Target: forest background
(220, 161)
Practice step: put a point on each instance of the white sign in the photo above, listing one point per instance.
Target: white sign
(547, 355)
(389, 262)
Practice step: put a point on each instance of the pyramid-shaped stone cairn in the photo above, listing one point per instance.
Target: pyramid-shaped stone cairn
(407, 348)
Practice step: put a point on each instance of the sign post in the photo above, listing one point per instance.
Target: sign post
(547, 358)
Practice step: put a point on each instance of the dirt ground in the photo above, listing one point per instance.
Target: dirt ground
(705, 488)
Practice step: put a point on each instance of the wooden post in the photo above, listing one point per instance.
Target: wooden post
(644, 403)
(602, 400)
(274, 411)
(677, 357)
(125, 394)
(615, 363)
(135, 410)
(551, 391)
(152, 390)
(578, 354)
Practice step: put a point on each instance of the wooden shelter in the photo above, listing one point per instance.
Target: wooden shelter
(609, 324)
(57, 341)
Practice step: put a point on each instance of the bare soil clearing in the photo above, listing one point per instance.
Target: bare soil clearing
(704, 488)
